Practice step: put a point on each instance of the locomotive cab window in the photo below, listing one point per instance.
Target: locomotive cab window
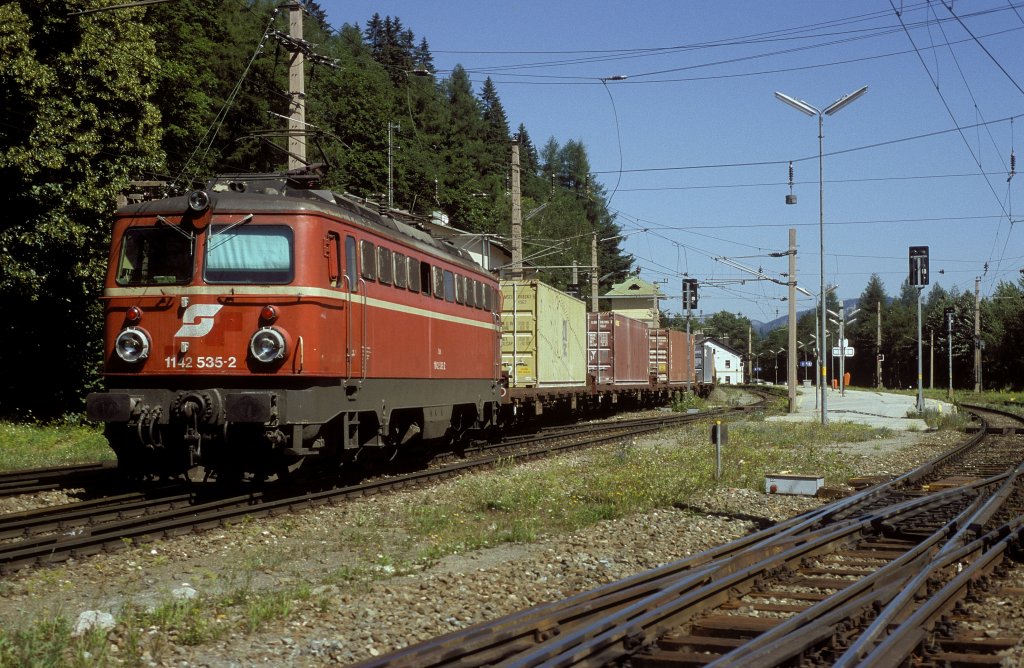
(155, 256)
(369, 258)
(253, 254)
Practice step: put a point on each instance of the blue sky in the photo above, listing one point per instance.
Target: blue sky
(693, 147)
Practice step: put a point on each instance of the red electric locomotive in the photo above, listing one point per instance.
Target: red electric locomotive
(261, 321)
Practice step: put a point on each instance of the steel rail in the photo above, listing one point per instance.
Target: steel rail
(27, 481)
(901, 642)
(818, 623)
(614, 636)
(875, 633)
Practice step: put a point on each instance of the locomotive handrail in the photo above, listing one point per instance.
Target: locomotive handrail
(348, 330)
(362, 342)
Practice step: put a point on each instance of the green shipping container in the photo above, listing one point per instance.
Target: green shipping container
(543, 336)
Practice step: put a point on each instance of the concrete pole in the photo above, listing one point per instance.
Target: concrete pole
(593, 273)
(823, 351)
(977, 334)
(517, 217)
(791, 367)
(750, 352)
(296, 93)
(949, 346)
(920, 360)
(878, 347)
(931, 361)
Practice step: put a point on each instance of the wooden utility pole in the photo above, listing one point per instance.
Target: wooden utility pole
(517, 217)
(791, 366)
(296, 92)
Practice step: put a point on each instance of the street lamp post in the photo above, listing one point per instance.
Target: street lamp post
(805, 108)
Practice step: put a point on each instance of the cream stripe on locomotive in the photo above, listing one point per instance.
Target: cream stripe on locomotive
(280, 291)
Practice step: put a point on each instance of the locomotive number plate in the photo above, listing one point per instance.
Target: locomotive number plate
(208, 362)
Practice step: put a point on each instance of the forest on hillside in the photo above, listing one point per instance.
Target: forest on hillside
(179, 91)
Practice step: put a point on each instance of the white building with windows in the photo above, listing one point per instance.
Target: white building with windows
(721, 363)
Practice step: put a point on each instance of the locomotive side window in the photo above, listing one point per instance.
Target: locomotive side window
(479, 289)
(351, 264)
(470, 292)
(155, 256)
(487, 298)
(414, 274)
(384, 265)
(460, 289)
(367, 252)
(449, 286)
(253, 254)
(425, 273)
(438, 282)
(401, 271)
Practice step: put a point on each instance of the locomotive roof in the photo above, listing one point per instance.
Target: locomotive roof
(264, 193)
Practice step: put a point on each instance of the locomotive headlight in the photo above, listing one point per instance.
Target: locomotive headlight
(268, 345)
(132, 345)
(198, 200)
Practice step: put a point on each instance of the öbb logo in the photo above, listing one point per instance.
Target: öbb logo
(198, 320)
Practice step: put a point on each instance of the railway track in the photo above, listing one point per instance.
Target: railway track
(31, 481)
(879, 578)
(54, 534)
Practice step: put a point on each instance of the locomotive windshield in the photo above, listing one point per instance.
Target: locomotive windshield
(155, 256)
(253, 254)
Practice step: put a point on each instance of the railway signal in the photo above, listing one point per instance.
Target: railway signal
(690, 293)
(919, 265)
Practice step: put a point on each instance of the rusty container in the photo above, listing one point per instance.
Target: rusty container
(671, 356)
(618, 349)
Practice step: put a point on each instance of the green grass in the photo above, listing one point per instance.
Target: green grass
(25, 446)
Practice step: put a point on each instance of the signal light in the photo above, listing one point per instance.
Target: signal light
(268, 314)
(133, 315)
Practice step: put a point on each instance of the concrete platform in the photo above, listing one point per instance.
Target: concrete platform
(876, 409)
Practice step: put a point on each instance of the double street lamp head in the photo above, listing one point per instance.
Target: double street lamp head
(810, 110)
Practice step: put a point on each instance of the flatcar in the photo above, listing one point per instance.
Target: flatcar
(259, 322)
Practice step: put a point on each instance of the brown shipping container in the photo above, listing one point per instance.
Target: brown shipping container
(618, 350)
(671, 357)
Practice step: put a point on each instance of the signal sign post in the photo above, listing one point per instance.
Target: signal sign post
(919, 278)
(690, 300)
(950, 311)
